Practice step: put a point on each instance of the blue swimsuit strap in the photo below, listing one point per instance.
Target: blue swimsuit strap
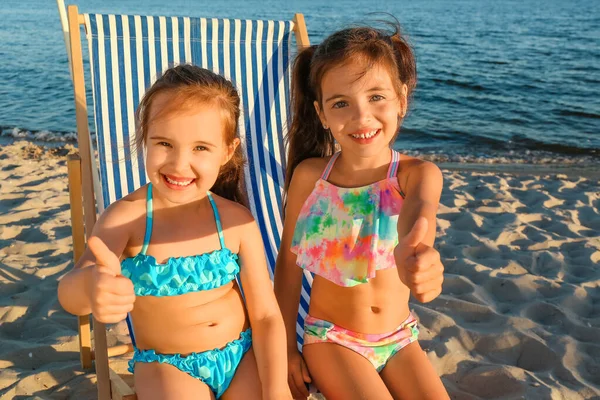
(217, 219)
(149, 210)
(148, 220)
(144, 248)
(220, 232)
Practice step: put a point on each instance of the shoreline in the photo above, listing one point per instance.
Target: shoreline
(592, 172)
(500, 164)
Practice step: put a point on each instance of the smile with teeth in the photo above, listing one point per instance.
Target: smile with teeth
(367, 135)
(178, 182)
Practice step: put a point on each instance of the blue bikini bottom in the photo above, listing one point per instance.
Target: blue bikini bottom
(215, 368)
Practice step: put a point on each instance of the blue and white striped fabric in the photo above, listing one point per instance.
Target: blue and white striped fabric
(128, 53)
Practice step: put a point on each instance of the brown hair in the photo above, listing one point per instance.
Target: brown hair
(307, 138)
(190, 86)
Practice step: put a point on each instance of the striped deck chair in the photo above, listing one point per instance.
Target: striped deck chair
(126, 54)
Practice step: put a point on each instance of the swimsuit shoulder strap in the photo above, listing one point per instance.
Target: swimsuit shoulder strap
(217, 220)
(394, 164)
(329, 167)
(148, 233)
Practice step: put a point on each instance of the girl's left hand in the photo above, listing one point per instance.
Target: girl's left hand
(419, 265)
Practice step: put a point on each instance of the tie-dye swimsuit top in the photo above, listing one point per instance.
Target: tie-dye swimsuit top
(346, 234)
(180, 275)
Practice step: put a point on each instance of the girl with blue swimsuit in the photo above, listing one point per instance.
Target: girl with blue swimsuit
(170, 254)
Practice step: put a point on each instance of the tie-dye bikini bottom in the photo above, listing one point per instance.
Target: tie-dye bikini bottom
(377, 348)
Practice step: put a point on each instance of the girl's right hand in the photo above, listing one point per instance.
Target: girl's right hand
(111, 294)
(298, 375)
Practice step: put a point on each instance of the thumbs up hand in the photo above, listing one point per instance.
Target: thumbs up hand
(419, 265)
(111, 294)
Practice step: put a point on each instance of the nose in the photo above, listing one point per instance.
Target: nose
(180, 160)
(362, 113)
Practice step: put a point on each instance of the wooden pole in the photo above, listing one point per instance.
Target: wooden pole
(89, 204)
(300, 31)
(77, 232)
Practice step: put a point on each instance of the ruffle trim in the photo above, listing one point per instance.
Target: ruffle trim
(180, 275)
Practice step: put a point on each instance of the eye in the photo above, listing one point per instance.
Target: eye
(200, 148)
(339, 104)
(377, 97)
(164, 144)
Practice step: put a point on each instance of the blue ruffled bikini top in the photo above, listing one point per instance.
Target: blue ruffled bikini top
(180, 275)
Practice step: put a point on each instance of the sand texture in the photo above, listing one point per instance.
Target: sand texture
(519, 317)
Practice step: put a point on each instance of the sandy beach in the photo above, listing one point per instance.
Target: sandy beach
(519, 317)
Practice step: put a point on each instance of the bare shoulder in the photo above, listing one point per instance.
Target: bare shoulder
(310, 169)
(417, 168)
(304, 178)
(123, 222)
(237, 222)
(125, 210)
(232, 213)
(413, 171)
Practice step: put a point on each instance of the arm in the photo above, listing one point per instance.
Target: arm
(419, 264)
(268, 331)
(424, 182)
(288, 276)
(96, 276)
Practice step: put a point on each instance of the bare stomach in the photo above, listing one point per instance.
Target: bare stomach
(193, 322)
(378, 306)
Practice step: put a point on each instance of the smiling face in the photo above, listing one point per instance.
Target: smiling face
(185, 150)
(361, 107)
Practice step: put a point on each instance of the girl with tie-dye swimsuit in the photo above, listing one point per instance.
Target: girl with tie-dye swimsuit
(360, 217)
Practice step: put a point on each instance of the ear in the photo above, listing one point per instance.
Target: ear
(321, 114)
(403, 101)
(229, 151)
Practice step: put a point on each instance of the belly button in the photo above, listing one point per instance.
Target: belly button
(211, 324)
(375, 310)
